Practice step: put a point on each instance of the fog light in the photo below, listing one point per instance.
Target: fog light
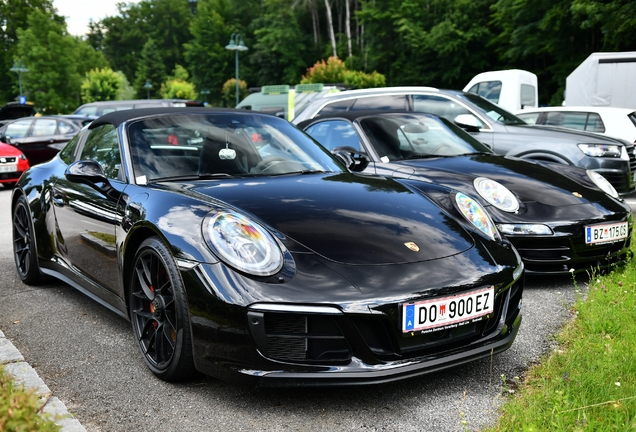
(524, 229)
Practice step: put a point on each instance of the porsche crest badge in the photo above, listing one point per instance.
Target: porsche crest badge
(412, 246)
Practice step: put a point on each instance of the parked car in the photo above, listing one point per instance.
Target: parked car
(12, 164)
(279, 270)
(41, 138)
(104, 107)
(14, 110)
(502, 131)
(560, 218)
(615, 122)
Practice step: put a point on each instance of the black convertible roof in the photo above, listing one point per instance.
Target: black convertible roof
(118, 117)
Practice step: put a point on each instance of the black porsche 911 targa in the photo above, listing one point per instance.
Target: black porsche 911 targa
(240, 248)
(560, 218)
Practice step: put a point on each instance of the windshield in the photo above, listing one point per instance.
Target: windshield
(222, 145)
(414, 136)
(493, 111)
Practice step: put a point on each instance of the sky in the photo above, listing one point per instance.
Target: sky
(79, 12)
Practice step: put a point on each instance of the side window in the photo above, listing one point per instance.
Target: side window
(572, 120)
(594, 123)
(67, 154)
(491, 90)
(385, 102)
(438, 105)
(88, 111)
(102, 146)
(527, 96)
(65, 128)
(336, 133)
(530, 118)
(44, 127)
(18, 129)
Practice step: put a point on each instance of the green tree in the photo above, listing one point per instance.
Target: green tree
(13, 16)
(101, 85)
(205, 54)
(177, 86)
(149, 69)
(51, 56)
(278, 51)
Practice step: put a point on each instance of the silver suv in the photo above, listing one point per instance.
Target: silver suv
(499, 129)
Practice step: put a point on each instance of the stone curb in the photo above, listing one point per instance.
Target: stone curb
(26, 376)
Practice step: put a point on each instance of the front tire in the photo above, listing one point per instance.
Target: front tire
(159, 312)
(24, 250)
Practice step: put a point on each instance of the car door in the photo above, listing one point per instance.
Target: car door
(87, 216)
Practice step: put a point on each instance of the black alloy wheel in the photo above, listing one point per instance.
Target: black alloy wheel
(159, 313)
(24, 250)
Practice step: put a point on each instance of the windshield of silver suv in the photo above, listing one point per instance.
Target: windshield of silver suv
(493, 111)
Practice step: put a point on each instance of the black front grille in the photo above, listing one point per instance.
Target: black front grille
(299, 337)
(560, 255)
(10, 159)
(10, 175)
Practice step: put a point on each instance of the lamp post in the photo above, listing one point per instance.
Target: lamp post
(20, 69)
(236, 44)
(147, 86)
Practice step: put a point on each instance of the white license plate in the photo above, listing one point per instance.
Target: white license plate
(8, 168)
(605, 233)
(447, 312)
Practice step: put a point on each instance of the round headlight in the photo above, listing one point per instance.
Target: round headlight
(476, 215)
(602, 183)
(243, 244)
(496, 194)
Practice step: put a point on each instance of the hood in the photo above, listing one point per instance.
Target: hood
(533, 183)
(555, 134)
(346, 218)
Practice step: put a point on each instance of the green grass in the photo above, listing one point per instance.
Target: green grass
(589, 382)
(19, 409)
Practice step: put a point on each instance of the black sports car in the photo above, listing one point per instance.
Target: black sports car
(560, 218)
(238, 246)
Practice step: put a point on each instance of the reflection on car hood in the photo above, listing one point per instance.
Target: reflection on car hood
(347, 218)
(556, 134)
(531, 182)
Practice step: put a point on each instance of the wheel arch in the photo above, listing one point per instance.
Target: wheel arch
(543, 157)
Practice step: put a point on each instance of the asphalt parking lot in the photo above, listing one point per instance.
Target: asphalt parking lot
(89, 360)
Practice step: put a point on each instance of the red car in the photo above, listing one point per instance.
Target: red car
(12, 164)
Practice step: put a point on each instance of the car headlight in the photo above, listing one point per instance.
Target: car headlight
(243, 244)
(476, 215)
(601, 150)
(496, 194)
(602, 183)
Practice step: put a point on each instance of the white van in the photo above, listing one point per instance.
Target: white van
(511, 89)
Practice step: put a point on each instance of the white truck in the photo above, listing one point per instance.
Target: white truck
(511, 89)
(603, 79)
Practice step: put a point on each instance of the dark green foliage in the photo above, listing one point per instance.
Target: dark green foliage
(150, 67)
(439, 43)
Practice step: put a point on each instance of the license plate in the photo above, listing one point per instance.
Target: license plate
(605, 233)
(447, 312)
(8, 168)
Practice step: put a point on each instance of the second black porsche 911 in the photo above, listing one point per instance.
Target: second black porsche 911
(239, 247)
(560, 218)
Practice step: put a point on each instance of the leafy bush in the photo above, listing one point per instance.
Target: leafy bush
(335, 70)
(19, 409)
(229, 92)
(101, 85)
(177, 86)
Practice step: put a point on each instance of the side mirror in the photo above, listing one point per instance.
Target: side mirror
(6, 139)
(353, 159)
(468, 122)
(91, 173)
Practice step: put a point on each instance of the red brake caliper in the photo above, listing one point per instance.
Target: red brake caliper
(155, 324)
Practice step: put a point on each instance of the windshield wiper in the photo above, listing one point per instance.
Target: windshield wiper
(194, 177)
(302, 172)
